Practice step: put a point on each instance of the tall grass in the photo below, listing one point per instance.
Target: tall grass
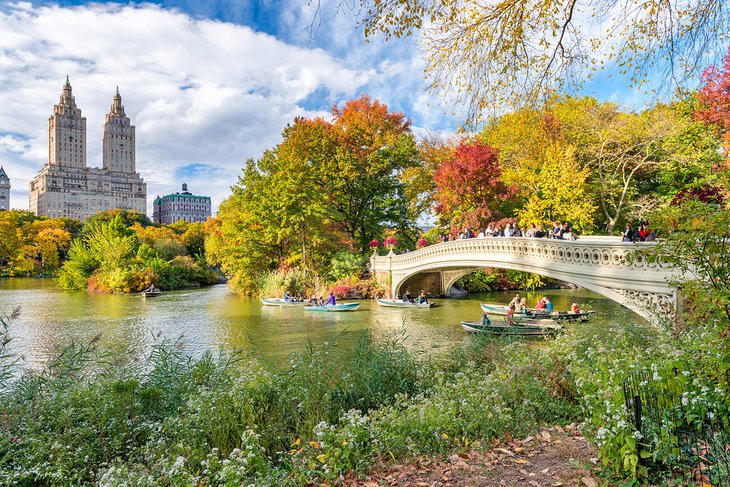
(174, 420)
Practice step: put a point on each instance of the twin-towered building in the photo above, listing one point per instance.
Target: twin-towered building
(66, 187)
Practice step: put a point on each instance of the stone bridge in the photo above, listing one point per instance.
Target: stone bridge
(596, 263)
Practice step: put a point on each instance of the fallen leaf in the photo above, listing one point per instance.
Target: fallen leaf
(518, 449)
(546, 435)
(545, 470)
(464, 455)
(557, 484)
(422, 484)
(589, 482)
(527, 440)
(559, 428)
(506, 451)
(522, 461)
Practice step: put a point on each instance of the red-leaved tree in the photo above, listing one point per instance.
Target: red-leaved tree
(469, 189)
(715, 98)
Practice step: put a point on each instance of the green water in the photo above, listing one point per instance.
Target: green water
(214, 318)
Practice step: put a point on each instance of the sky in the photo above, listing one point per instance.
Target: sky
(207, 84)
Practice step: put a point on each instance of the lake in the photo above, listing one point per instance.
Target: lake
(213, 318)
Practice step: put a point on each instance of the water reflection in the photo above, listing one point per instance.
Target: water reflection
(212, 318)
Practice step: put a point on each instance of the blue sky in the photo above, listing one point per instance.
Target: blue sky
(207, 84)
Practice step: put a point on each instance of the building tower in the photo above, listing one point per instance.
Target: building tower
(4, 190)
(67, 132)
(119, 143)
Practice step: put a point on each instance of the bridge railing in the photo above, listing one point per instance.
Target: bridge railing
(588, 251)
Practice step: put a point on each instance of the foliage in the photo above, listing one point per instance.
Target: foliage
(328, 185)
(491, 55)
(109, 257)
(558, 192)
(696, 244)
(469, 189)
(30, 244)
(420, 188)
(345, 264)
(501, 280)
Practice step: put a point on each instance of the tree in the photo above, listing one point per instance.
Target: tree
(714, 97)
(514, 53)
(558, 191)
(362, 179)
(469, 189)
(420, 189)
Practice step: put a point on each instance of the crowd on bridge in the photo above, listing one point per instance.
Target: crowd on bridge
(560, 230)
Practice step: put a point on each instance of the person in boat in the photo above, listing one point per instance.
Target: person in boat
(548, 305)
(541, 303)
(152, 289)
(407, 297)
(515, 301)
(287, 296)
(575, 308)
(331, 300)
(422, 299)
(523, 306)
(511, 314)
(485, 320)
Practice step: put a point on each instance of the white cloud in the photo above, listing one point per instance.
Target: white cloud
(199, 91)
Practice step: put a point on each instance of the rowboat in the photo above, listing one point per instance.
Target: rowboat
(394, 303)
(329, 308)
(512, 329)
(151, 294)
(281, 302)
(538, 314)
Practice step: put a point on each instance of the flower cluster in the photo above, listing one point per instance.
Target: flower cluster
(390, 242)
(374, 244)
(421, 243)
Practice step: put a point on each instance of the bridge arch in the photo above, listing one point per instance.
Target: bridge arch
(599, 264)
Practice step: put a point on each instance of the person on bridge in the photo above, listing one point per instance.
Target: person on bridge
(407, 296)
(628, 235)
(644, 231)
(332, 300)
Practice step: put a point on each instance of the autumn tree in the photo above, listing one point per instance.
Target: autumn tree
(486, 55)
(469, 189)
(420, 188)
(714, 98)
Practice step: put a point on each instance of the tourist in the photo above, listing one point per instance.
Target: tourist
(331, 301)
(287, 296)
(556, 230)
(422, 299)
(575, 308)
(628, 235)
(151, 289)
(497, 232)
(539, 232)
(511, 314)
(568, 233)
(644, 232)
(515, 301)
(548, 305)
(481, 234)
(407, 296)
(651, 237)
(540, 303)
(489, 231)
(508, 230)
(523, 306)
(531, 231)
(516, 232)
(485, 320)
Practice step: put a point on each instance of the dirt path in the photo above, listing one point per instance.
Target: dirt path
(554, 457)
